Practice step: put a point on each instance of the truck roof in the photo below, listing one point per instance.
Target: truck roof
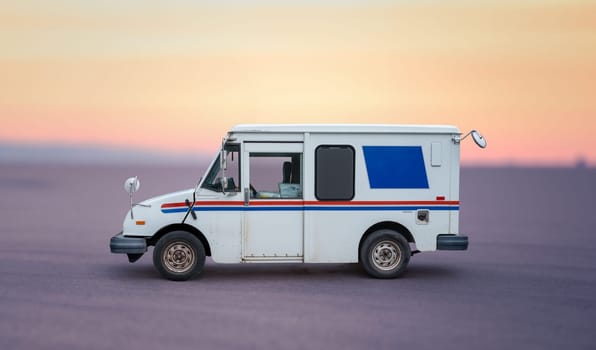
(346, 128)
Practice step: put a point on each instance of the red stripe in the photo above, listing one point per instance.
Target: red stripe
(183, 204)
(379, 202)
(257, 202)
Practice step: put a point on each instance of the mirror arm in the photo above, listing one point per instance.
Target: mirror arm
(132, 217)
(478, 138)
(466, 135)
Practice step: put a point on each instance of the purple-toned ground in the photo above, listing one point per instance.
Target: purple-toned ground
(527, 282)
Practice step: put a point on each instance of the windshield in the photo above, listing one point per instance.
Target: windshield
(232, 172)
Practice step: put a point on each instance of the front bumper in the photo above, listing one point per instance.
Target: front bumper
(127, 245)
(452, 242)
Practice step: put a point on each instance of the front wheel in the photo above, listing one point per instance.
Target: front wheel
(385, 254)
(179, 256)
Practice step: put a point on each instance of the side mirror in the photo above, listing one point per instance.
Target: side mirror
(479, 139)
(132, 185)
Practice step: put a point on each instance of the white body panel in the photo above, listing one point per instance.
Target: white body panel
(241, 228)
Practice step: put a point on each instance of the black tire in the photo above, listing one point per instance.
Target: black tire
(179, 256)
(385, 254)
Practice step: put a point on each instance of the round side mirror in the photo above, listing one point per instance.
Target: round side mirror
(132, 185)
(479, 139)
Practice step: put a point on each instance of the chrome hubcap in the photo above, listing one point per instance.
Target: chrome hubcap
(386, 255)
(178, 257)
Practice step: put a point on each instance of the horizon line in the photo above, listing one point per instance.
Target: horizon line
(95, 153)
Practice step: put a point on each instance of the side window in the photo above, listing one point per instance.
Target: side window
(334, 172)
(275, 175)
(232, 173)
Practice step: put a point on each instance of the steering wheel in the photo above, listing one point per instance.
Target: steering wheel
(253, 190)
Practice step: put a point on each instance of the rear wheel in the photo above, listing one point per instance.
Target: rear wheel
(179, 256)
(385, 254)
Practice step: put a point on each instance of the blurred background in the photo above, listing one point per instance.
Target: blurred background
(163, 81)
(92, 92)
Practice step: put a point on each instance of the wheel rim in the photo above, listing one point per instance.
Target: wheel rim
(386, 255)
(178, 257)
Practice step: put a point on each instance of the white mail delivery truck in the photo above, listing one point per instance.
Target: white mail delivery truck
(368, 194)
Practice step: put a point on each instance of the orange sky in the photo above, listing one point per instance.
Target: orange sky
(176, 75)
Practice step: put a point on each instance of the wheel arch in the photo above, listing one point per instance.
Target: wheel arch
(390, 225)
(180, 227)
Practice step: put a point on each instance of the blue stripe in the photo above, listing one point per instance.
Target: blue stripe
(312, 208)
(175, 210)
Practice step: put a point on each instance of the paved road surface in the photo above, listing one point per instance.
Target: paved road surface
(527, 282)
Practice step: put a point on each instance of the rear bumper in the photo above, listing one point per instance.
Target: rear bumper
(127, 245)
(452, 242)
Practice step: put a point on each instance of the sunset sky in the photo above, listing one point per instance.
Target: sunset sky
(176, 75)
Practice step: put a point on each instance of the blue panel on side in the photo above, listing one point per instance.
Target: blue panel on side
(395, 166)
